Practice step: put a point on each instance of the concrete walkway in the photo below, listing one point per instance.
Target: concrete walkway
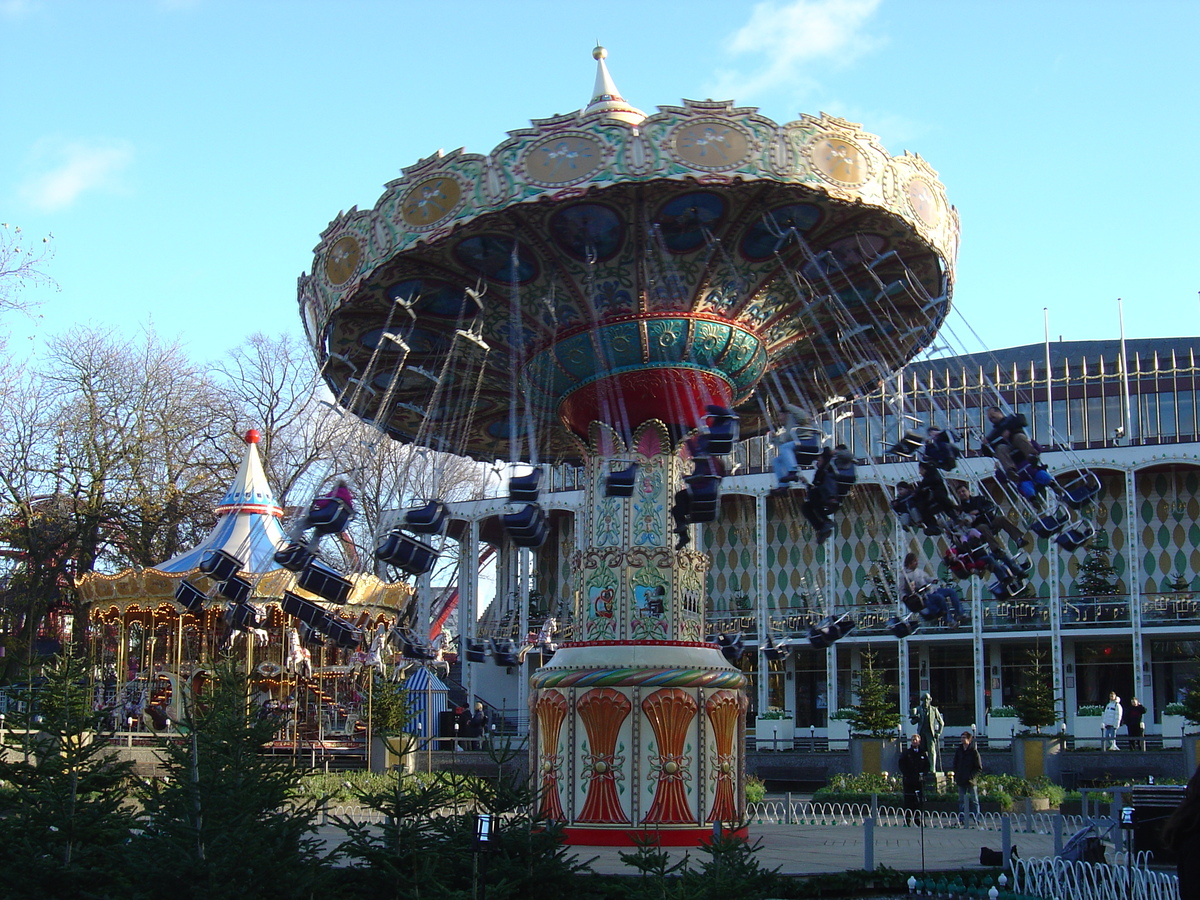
(816, 849)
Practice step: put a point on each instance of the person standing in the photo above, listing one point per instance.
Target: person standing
(967, 767)
(914, 766)
(1111, 720)
(479, 725)
(929, 722)
(1134, 725)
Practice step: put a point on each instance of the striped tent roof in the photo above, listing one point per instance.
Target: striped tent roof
(248, 524)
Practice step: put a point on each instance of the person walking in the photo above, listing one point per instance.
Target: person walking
(914, 766)
(1111, 721)
(1134, 724)
(967, 767)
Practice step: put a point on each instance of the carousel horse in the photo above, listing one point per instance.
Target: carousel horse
(298, 660)
(372, 657)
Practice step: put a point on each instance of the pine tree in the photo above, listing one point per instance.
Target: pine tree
(1035, 702)
(1191, 698)
(877, 713)
(65, 820)
(1096, 576)
(227, 821)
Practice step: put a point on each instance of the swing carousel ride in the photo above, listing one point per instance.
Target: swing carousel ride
(633, 295)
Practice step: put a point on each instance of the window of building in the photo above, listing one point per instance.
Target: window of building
(951, 680)
(1100, 668)
(1173, 667)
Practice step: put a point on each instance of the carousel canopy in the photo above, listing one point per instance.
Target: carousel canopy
(248, 527)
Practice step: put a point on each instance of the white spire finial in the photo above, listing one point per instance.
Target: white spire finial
(606, 99)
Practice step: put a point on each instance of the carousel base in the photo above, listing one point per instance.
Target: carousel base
(666, 836)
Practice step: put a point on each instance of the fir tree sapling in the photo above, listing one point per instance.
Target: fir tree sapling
(1035, 703)
(65, 820)
(877, 713)
(1096, 576)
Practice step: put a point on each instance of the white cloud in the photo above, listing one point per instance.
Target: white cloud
(15, 9)
(784, 38)
(71, 168)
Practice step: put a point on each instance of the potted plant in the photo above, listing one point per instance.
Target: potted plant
(1191, 715)
(874, 723)
(1001, 724)
(1174, 722)
(391, 714)
(839, 726)
(775, 729)
(1088, 725)
(1035, 708)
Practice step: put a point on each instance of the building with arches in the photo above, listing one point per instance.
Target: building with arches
(1120, 613)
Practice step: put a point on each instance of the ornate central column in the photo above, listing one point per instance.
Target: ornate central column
(640, 722)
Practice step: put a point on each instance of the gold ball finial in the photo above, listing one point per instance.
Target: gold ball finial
(599, 52)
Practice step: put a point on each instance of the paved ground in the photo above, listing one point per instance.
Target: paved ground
(813, 849)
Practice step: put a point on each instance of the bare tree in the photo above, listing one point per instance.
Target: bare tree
(21, 259)
(271, 384)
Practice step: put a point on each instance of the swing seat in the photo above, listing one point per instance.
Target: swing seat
(406, 553)
(220, 565)
(429, 518)
(1081, 489)
(1078, 534)
(844, 479)
(808, 450)
(411, 648)
(305, 610)
(914, 601)
(732, 646)
(1022, 564)
(331, 517)
(190, 596)
(704, 497)
(902, 627)
(960, 568)
(343, 633)
(906, 446)
(317, 578)
(830, 630)
(1050, 524)
(293, 557)
(775, 651)
(619, 483)
(524, 488)
(504, 653)
(476, 651)
(722, 433)
(244, 616)
(236, 589)
(526, 525)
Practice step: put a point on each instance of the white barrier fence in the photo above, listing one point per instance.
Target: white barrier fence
(805, 812)
(1057, 879)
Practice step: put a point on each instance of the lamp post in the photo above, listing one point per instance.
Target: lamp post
(483, 844)
(129, 722)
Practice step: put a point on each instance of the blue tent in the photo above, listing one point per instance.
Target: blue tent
(428, 697)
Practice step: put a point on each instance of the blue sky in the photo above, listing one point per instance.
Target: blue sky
(186, 154)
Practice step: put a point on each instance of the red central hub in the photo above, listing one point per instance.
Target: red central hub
(675, 396)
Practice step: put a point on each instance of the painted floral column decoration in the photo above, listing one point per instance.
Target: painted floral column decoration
(602, 711)
(670, 712)
(724, 709)
(551, 710)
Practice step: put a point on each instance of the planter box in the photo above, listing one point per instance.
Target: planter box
(774, 734)
(1172, 729)
(874, 755)
(384, 755)
(1088, 731)
(1034, 755)
(1000, 730)
(838, 733)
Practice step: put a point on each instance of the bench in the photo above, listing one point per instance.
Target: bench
(793, 778)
